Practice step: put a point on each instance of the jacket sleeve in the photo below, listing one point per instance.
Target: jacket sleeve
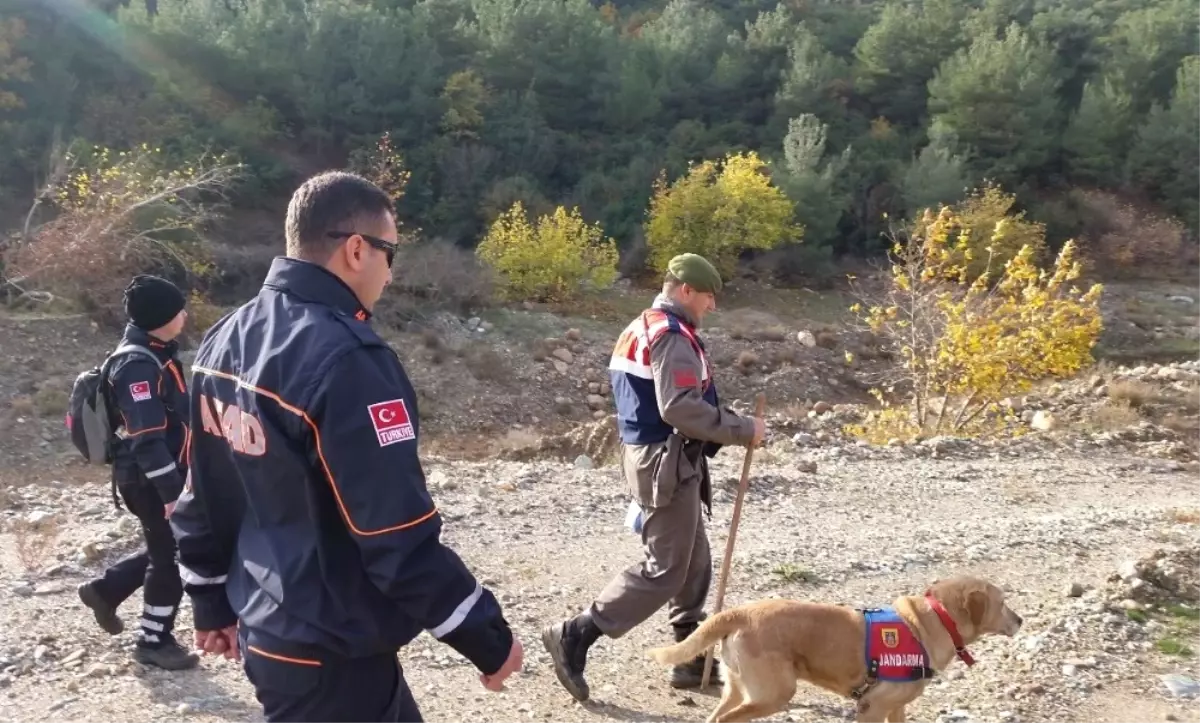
(365, 418)
(204, 557)
(137, 391)
(678, 371)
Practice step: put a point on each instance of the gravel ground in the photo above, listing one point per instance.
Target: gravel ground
(851, 526)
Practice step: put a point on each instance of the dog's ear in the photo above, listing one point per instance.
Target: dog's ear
(977, 602)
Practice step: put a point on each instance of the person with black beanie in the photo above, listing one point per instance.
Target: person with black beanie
(146, 388)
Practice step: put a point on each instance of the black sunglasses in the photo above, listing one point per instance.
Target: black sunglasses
(384, 246)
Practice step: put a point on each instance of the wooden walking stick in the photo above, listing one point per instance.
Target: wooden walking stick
(759, 408)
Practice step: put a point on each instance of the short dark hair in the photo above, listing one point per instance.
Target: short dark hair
(330, 201)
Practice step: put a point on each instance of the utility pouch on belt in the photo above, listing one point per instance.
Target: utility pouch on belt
(650, 471)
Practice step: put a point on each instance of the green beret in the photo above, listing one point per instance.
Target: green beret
(696, 272)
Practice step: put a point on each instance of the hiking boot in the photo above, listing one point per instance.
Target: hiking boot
(568, 643)
(106, 615)
(168, 655)
(691, 673)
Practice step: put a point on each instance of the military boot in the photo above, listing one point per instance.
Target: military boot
(166, 654)
(691, 673)
(106, 615)
(568, 644)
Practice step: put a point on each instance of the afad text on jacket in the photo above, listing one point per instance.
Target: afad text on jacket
(307, 515)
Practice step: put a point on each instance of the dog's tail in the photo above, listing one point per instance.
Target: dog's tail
(710, 632)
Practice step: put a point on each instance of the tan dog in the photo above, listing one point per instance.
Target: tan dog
(770, 644)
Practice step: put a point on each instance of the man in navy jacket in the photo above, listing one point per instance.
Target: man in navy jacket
(306, 516)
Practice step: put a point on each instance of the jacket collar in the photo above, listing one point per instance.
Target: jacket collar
(314, 283)
(164, 350)
(673, 307)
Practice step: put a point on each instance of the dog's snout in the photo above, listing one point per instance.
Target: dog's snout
(1012, 621)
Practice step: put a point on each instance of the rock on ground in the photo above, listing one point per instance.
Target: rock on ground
(546, 535)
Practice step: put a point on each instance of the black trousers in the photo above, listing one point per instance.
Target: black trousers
(296, 685)
(154, 567)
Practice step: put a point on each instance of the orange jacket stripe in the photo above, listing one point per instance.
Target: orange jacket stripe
(283, 658)
(320, 454)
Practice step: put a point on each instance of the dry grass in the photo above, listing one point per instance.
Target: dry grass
(1184, 516)
(22, 405)
(752, 325)
(1116, 415)
(785, 356)
(795, 410)
(485, 363)
(1189, 400)
(1020, 491)
(792, 573)
(1181, 424)
(1133, 392)
(746, 361)
(51, 401)
(430, 339)
(34, 541)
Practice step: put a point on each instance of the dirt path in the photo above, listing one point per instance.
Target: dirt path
(861, 530)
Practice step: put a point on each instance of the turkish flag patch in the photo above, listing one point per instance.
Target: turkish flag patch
(685, 378)
(140, 391)
(391, 421)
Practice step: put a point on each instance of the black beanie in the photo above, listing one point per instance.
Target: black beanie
(151, 302)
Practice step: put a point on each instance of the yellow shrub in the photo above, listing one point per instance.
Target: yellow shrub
(717, 210)
(985, 235)
(554, 259)
(966, 344)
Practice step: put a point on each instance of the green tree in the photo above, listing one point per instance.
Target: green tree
(464, 96)
(999, 98)
(1146, 45)
(898, 55)
(936, 177)
(813, 81)
(1097, 138)
(811, 181)
(1165, 158)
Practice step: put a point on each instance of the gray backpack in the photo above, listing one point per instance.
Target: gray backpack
(89, 413)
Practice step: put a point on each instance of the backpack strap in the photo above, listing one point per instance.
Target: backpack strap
(120, 351)
(124, 349)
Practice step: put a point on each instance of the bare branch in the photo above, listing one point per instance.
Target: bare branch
(115, 219)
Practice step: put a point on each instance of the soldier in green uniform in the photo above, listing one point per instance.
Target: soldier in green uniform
(671, 422)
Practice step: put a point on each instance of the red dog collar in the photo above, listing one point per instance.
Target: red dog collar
(948, 623)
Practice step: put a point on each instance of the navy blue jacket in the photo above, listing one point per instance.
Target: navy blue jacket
(151, 412)
(306, 515)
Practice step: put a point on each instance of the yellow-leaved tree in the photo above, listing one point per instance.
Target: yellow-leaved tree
(556, 258)
(717, 210)
(985, 233)
(966, 342)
